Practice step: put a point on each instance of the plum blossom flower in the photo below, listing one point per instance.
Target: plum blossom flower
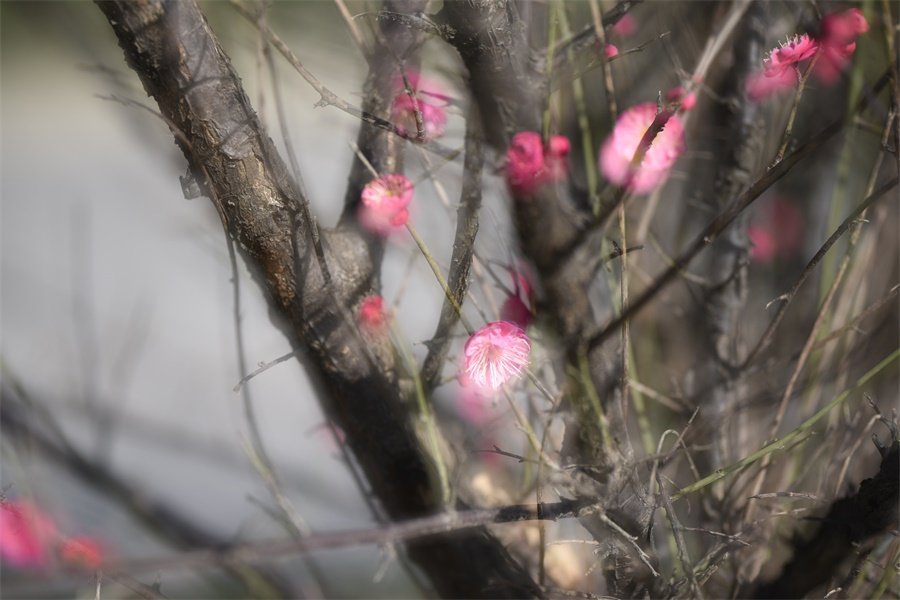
(618, 151)
(494, 355)
(372, 316)
(610, 50)
(529, 165)
(384, 202)
(626, 26)
(26, 534)
(677, 95)
(779, 70)
(82, 552)
(426, 99)
(837, 42)
(517, 306)
(777, 233)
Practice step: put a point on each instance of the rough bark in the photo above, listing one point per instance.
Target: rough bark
(177, 57)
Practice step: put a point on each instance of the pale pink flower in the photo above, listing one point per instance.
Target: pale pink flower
(529, 165)
(625, 27)
(838, 43)
(384, 202)
(494, 355)
(26, 534)
(427, 99)
(82, 552)
(610, 51)
(619, 149)
(372, 316)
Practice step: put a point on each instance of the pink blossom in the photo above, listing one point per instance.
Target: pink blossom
(838, 43)
(372, 316)
(494, 355)
(620, 147)
(759, 85)
(473, 406)
(529, 165)
(625, 27)
(384, 202)
(788, 54)
(426, 99)
(26, 534)
(779, 70)
(685, 101)
(516, 308)
(82, 552)
(610, 51)
(777, 233)
(762, 244)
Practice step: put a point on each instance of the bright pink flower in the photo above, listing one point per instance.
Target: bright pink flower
(82, 552)
(529, 165)
(838, 43)
(788, 54)
(610, 51)
(26, 534)
(426, 99)
(620, 147)
(494, 355)
(372, 316)
(677, 95)
(384, 202)
(625, 26)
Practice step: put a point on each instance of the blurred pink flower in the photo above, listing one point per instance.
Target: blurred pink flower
(759, 85)
(372, 316)
(677, 96)
(610, 51)
(26, 534)
(625, 26)
(777, 233)
(473, 406)
(82, 552)
(837, 41)
(384, 202)
(619, 149)
(494, 355)
(426, 98)
(529, 165)
(517, 306)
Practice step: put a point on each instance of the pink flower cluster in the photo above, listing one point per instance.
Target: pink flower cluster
(833, 48)
(28, 538)
(529, 164)
(494, 355)
(384, 203)
(426, 102)
(618, 152)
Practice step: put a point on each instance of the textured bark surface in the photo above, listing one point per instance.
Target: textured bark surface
(182, 66)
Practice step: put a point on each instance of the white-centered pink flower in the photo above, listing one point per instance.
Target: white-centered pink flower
(423, 108)
(529, 165)
(26, 534)
(619, 149)
(494, 355)
(384, 203)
